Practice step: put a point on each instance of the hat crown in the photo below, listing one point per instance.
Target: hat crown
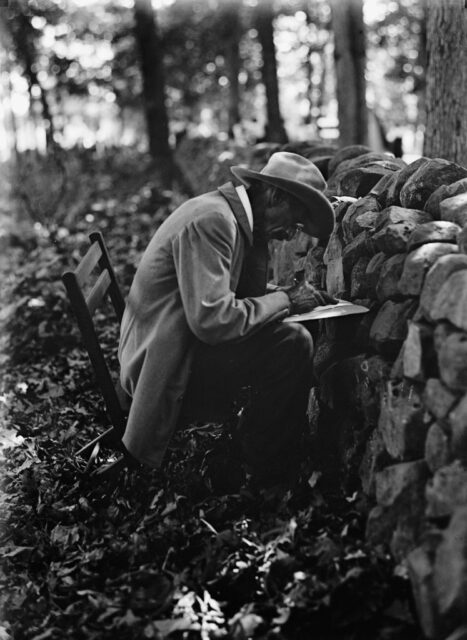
(291, 166)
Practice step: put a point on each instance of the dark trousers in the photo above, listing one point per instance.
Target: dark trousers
(276, 364)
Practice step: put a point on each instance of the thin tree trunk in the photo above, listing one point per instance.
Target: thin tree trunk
(350, 60)
(275, 131)
(151, 56)
(446, 96)
(231, 31)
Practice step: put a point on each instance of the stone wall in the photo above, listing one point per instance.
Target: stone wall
(394, 380)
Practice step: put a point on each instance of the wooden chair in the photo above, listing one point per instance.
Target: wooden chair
(85, 299)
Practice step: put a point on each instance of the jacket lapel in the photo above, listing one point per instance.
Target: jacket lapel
(230, 194)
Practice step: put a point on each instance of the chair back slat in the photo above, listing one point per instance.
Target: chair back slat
(88, 263)
(98, 291)
(84, 308)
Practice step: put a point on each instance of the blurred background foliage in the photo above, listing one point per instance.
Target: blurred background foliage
(71, 71)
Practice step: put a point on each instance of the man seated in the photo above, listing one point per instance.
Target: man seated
(200, 323)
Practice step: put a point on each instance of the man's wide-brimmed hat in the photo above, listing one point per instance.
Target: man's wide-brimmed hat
(301, 178)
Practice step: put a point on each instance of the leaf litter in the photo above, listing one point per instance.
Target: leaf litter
(157, 554)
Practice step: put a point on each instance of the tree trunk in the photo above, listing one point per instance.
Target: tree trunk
(349, 56)
(275, 131)
(446, 95)
(151, 55)
(231, 32)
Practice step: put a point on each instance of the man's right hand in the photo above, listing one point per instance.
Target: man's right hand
(304, 297)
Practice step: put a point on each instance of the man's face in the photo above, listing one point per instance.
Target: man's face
(281, 221)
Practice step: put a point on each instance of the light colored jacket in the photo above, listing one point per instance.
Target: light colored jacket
(183, 291)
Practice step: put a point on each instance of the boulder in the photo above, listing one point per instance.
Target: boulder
(450, 570)
(358, 288)
(361, 245)
(455, 209)
(393, 194)
(415, 350)
(374, 460)
(436, 276)
(462, 240)
(436, 231)
(437, 448)
(315, 271)
(350, 224)
(443, 192)
(393, 238)
(417, 264)
(384, 187)
(458, 423)
(347, 153)
(402, 423)
(398, 481)
(395, 215)
(446, 491)
(335, 283)
(428, 177)
(341, 204)
(389, 328)
(391, 271)
(336, 182)
(442, 331)
(450, 302)
(373, 272)
(452, 361)
(420, 568)
(438, 399)
(358, 182)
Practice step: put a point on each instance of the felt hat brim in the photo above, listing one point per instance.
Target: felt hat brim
(319, 222)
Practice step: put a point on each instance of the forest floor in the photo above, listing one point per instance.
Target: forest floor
(152, 554)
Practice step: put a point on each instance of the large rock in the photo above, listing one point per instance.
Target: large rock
(452, 361)
(391, 271)
(402, 423)
(417, 350)
(438, 399)
(451, 301)
(436, 231)
(358, 182)
(462, 240)
(381, 188)
(458, 423)
(361, 245)
(443, 192)
(437, 447)
(347, 153)
(417, 264)
(373, 272)
(450, 570)
(337, 181)
(396, 482)
(396, 215)
(420, 568)
(389, 328)
(436, 277)
(428, 177)
(335, 282)
(350, 222)
(394, 190)
(455, 209)
(446, 491)
(358, 288)
(393, 238)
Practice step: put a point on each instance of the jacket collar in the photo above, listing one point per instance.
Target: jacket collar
(231, 195)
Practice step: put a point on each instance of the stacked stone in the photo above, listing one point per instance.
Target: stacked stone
(400, 248)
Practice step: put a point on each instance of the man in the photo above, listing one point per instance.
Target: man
(200, 324)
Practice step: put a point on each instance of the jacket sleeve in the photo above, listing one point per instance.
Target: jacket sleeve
(203, 253)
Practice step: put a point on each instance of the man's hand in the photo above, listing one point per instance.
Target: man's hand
(304, 297)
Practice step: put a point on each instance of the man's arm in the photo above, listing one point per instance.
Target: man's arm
(203, 253)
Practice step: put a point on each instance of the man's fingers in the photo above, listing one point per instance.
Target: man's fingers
(328, 298)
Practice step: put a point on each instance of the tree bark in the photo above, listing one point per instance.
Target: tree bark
(350, 60)
(274, 131)
(157, 122)
(446, 95)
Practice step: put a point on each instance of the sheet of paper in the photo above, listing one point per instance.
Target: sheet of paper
(342, 308)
